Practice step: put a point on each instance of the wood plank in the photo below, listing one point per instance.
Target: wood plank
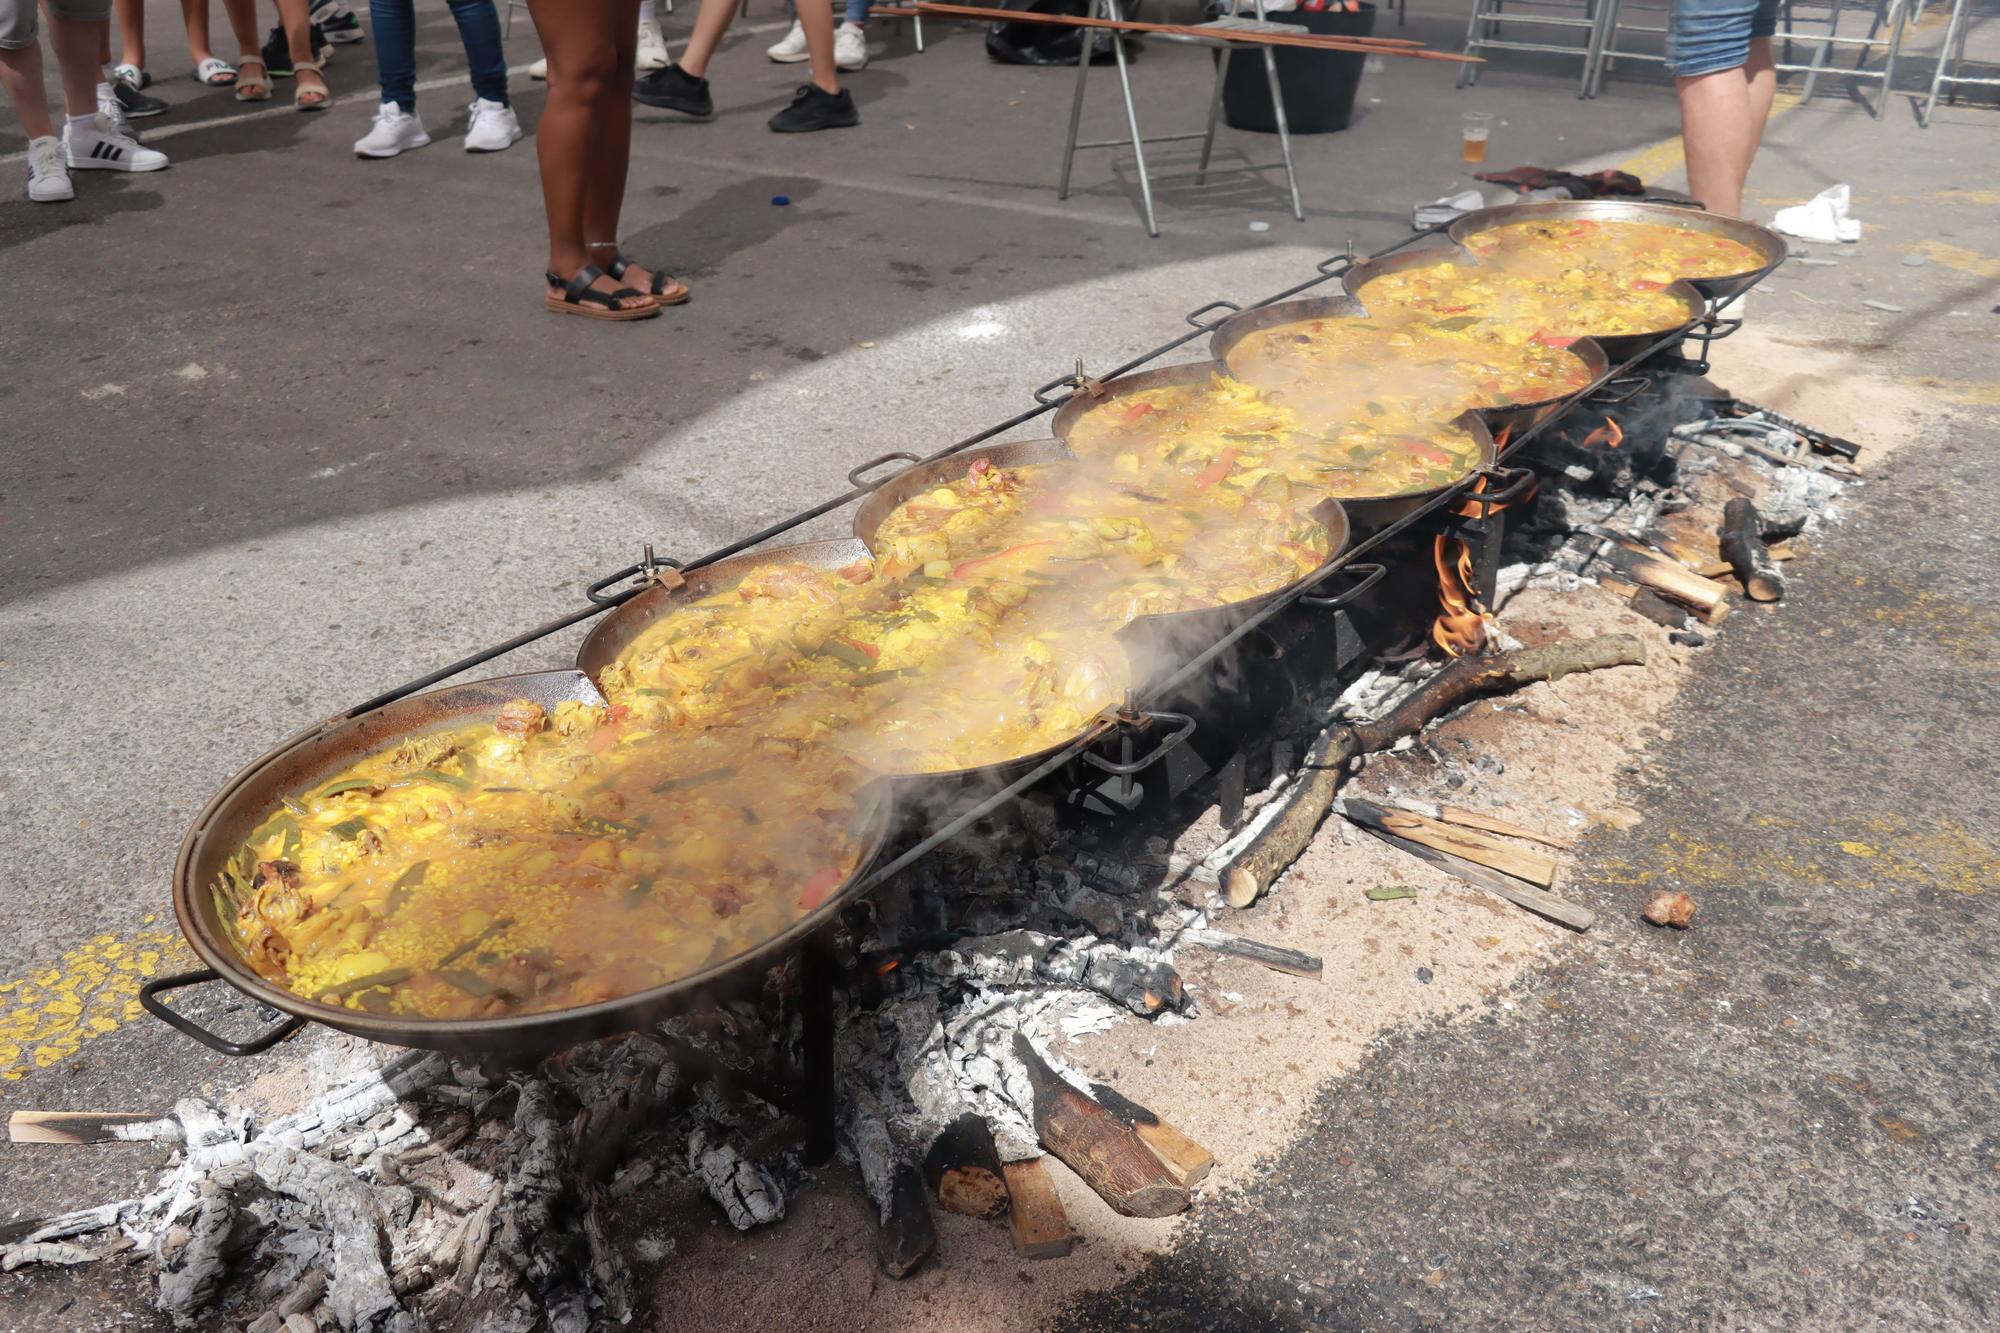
(1539, 901)
(1457, 814)
(1041, 1227)
(1537, 868)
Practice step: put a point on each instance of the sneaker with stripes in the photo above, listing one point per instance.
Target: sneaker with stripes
(103, 148)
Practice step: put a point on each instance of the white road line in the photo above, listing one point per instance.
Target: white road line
(150, 135)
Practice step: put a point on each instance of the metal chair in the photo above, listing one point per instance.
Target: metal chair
(1951, 56)
(1482, 31)
(1219, 42)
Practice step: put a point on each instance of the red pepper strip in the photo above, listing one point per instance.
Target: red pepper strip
(967, 567)
(1138, 410)
(1215, 471)
(1450, 309)
(617, 713)
(1425, 452)
(1547, 339)
(1641, 285)
(602, 739)
(867, 650)
(822, 883)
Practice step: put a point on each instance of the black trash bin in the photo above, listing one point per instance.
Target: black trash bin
(1318, 86)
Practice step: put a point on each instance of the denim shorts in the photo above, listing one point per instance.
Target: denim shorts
(18, 24)
(1704, 36)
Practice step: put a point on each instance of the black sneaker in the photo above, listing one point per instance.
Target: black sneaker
(133, 103)
(816, 109)
(278, 52)
(674, 89)
(340, 24)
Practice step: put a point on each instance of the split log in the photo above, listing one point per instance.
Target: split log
(1274, 956)
(1456, 814)
(1536, 867)
(1539, 901)
(962, 1165)
(746, 1191)
(1095, 1144)
(1041, 1227)
(1668, 578)
(1286, 837)
(907, 1235)
(1187, 1161)
(1743, 547)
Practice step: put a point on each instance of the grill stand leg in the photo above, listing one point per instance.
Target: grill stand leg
(1075, 118)
(816, 1010)
(1104, 10)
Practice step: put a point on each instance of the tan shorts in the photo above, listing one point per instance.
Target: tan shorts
(19, 19)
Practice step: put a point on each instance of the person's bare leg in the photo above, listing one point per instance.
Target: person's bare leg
(242, 24)
(131, 32)
(817, 20)
(1762, 72)
(194, 17)
(21, 76)
(580, 39)
(78, 47)
(710, 22)
(611, 141)
(1720, 137)
(296, 15)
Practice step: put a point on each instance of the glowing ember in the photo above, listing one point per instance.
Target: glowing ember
(1607, 435)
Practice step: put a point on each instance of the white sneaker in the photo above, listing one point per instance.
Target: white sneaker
(493, 127)
(394, 131)
(652, 47)
(48, 174)
(539, 70)
(103, 148)
(850, 47)
(791, 48)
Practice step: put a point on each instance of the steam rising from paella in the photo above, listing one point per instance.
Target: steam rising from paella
(539, 859)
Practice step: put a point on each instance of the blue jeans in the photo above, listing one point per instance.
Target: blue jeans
(395, 32)
(1704, 36)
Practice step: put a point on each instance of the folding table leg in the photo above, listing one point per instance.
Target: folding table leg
(1132, 115)
(1825, 50)
(1944, 62)
(1284, 132)
(1468, 74)
(1075, 115)
(1896, 25)
(1214, 114)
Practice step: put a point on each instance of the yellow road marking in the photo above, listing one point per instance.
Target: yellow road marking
(1670, 155)
(1980, 393)
(1983, 197)
(1958, 257)
(50, 1016)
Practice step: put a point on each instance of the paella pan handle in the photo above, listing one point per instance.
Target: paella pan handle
(149, 996)
(1621, 390)
(861, 481)
(596, 592)
(1334, 265)
(1048, 396)
(1182, 727)
(1504, 485)
(1370, 575)
(1194, 316)
(1715, 328)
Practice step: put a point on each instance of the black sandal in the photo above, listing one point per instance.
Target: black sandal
(666, 288)
(578, 298)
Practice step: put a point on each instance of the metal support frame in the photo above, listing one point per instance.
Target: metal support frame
(1951, 56)
(1105, 9)
(1483, 27)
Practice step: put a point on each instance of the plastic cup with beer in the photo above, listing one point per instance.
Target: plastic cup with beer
(1474, 126)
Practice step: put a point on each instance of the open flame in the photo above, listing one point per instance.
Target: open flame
(1460, 628)
(1609, 435)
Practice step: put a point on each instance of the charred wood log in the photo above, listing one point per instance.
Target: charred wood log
(1281, 842)
(1145, 985)
(962, 1165)
(1743, 547)
(1187, 1161)
(746, 1191)
(1095, 1144)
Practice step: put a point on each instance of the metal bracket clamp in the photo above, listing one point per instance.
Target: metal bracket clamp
(1369, 575)
(1132, 722)
(149, 997)
(1075, 382)
(857, 477)
(650, 571)
(1504, 485)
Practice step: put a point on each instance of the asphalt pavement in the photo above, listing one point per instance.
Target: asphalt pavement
(285, 428)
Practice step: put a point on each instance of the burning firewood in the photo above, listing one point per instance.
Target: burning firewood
(1743, 547)
(1281, 841)
(1143, 983)
(1095, 1144)
(746, 1191)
